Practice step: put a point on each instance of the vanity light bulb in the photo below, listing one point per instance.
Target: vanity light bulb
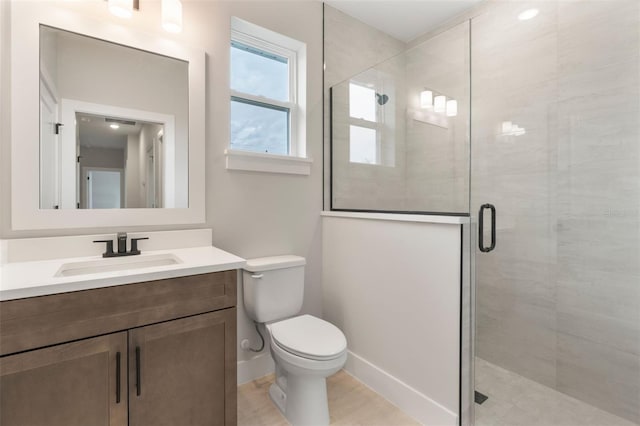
(440, 103)
(452, 108)
(172, 16)
(114, 126)
(121, 8)
(426, 99)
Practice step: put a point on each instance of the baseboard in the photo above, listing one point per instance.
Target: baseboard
(409, 400)
(254, 368)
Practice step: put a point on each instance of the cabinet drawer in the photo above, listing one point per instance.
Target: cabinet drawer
(47, 320)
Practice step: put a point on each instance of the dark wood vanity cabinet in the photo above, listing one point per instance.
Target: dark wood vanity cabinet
(178, 370)
(154, 353)
(66, 385)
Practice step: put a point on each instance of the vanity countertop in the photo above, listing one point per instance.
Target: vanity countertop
(20, 280)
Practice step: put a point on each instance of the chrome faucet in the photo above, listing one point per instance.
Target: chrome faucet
(122, 246)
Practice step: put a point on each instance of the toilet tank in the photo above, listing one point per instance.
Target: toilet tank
(273, 287)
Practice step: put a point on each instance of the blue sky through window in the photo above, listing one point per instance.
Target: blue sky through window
(256, 126)
(259, 73)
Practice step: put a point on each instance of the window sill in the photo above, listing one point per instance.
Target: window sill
(267, 163)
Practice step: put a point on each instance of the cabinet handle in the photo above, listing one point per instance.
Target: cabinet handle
(138, 381)
(117, 377)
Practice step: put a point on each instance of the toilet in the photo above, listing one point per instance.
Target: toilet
(306, 350)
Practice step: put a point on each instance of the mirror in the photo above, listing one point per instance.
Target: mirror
(114, 125)
(179, 170)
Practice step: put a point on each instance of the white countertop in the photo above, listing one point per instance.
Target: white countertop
(20, 280)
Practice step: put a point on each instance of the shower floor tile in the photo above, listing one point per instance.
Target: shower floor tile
(518, 401)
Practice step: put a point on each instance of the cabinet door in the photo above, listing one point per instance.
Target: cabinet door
(68, 384)
(183, 372)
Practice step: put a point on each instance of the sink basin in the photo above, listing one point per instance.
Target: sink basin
(113, 264)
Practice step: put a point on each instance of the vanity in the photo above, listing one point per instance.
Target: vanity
(108, 134)
(154, 345)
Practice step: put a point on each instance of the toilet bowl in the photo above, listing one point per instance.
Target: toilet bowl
(306, 350)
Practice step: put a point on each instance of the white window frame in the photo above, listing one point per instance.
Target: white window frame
(296, 161)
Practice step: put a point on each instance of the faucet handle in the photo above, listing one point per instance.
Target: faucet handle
(134, 245)
(109, 252)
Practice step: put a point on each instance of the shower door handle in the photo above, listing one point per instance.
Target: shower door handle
(481, 228)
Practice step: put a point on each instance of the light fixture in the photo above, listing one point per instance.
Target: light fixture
(440, 103)
(452, 108)
(426, 99)
(114, 126)
(121, 8)
(171, 12)
(172, 15)
(528, 14)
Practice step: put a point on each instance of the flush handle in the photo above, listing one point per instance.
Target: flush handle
(257, 276)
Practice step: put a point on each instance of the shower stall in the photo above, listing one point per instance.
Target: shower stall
(530, 127)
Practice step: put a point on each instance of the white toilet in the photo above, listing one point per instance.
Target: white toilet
(306, 349)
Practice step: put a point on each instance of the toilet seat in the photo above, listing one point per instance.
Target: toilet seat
(309, 337)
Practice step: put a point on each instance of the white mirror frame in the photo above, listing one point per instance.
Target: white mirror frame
(26, 214)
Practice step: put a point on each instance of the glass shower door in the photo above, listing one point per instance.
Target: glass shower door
(556, 150)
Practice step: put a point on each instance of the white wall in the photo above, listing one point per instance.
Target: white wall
(149, 146)
(393, 287)
(251, 214)
(49, 56)
(132, 172)
(5, 118)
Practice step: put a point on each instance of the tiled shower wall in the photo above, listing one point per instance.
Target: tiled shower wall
(558, 301)
(429, 171)
(350, 48)
(437, 171)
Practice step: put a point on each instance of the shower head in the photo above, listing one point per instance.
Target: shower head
(382, 98)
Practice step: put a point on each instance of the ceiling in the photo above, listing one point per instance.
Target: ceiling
(403, 19)
(94, 132)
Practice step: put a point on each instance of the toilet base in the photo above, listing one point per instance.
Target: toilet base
(278, 397)
(304, 403)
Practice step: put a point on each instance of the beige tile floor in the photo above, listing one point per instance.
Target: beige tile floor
(350, 403)
(513, 401)
(517, 401)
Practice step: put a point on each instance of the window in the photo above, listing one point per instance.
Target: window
(364, 146)
(264, 92)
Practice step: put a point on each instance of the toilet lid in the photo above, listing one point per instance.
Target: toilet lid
(309, 337)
